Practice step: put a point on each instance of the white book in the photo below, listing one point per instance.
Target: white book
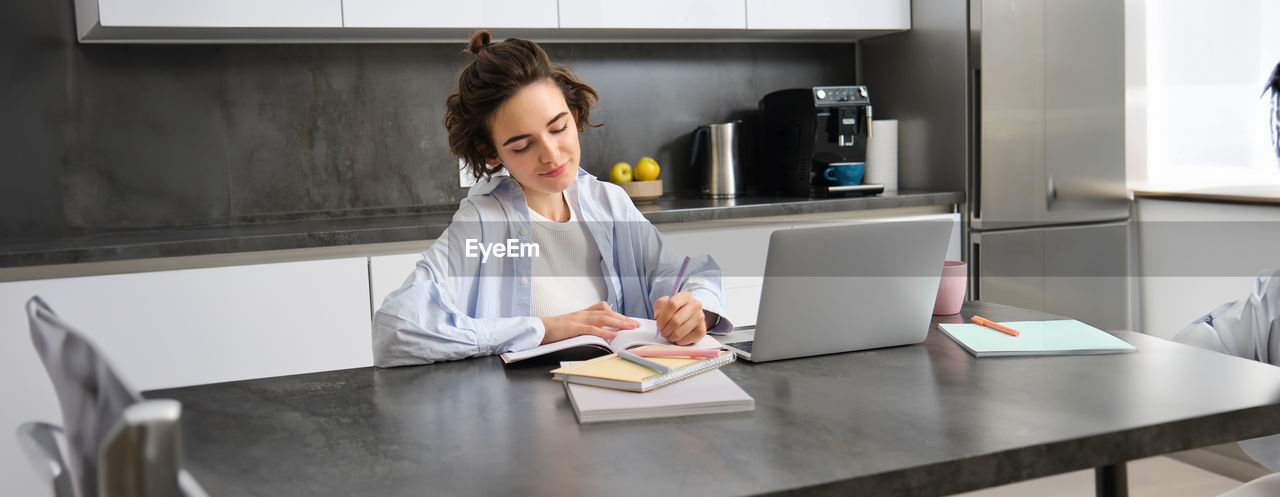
(711, 392)
(646, 334)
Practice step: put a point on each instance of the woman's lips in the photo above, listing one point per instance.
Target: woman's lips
(555, 172)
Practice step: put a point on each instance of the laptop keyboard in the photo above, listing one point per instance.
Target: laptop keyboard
(743, 346)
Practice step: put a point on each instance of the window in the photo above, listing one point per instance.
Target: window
(1207, 123)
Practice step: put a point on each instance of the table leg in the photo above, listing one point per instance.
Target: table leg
(1111, 481)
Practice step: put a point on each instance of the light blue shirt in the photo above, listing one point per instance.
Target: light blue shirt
(460, 303)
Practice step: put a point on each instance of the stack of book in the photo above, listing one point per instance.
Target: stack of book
(611, 388)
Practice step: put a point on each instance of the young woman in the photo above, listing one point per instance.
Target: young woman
(540, 250)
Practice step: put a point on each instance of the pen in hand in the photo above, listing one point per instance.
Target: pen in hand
(675, 288)
(994, 325)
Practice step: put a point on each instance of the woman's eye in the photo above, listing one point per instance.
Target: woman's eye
(561, 130)
(520, 150)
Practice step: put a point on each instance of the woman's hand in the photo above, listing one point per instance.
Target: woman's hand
(680, 318)
(589, 321)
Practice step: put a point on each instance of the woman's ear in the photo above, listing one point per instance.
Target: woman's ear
(490, 157)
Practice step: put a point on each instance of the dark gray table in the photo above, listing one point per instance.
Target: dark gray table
(917, 420)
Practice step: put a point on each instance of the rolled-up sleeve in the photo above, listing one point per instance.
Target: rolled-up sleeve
(426, 321)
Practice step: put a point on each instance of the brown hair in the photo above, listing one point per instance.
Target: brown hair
(497, 73)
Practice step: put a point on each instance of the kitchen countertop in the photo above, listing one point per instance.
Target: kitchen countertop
(426, 225)
(1236, 194)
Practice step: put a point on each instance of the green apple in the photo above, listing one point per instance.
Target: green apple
(646, 169)
(621, 173)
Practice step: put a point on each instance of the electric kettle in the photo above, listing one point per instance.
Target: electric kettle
(716, 152)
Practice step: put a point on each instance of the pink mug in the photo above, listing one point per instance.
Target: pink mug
(952, 287)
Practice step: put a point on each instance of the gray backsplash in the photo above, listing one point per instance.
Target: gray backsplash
(101, 138)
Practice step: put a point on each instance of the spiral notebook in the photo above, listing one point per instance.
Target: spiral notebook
(614, 372)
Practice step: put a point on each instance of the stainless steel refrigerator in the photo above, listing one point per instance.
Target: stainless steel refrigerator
(1042, 109)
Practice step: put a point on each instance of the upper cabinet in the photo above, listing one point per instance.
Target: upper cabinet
(653, 14)
(828, 15)
(452, 21)
(450, 14)
(147, 20)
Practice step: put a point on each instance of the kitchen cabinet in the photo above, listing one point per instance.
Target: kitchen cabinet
(655, 14)
(105, 14)
(827, 14)
(1197, 253)
(388, 273)
(193, 326)
(438, 21)
(449, 14)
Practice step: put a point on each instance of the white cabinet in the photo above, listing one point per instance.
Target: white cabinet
(449, 14)
(653, 14)
(174, 328)
(219, 14)
(388, 273)
(441, 21)
(829, 14)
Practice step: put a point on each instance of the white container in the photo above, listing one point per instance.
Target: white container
(882, 155)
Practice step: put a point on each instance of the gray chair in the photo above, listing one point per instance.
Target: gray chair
(118, 444)
(40, 442)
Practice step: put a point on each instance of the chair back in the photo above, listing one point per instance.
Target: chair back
(91, 394)
(118, 444)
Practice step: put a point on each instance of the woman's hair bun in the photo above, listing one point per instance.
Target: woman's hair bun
(479, 41)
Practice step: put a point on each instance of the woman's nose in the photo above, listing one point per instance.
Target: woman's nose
(550, 153)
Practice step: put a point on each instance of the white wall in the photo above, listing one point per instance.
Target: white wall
(1194, 256)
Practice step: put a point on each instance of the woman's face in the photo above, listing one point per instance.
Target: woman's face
(536, 138)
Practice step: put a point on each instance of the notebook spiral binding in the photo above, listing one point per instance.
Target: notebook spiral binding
(726, 357)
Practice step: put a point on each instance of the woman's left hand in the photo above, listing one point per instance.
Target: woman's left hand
(680, 318)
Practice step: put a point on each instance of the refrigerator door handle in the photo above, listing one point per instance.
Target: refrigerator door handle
(1051, 194)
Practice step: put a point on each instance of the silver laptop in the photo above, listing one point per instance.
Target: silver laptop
(845, 288)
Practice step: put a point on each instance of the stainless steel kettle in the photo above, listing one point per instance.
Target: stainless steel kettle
(716, 151)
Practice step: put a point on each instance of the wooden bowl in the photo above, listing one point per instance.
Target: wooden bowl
(642, 191)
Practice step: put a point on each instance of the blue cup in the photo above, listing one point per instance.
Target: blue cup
(845, 173)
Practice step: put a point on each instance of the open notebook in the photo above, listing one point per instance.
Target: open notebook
(646, 334)
(1057, 337)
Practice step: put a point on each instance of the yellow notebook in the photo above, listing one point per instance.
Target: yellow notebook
(611, 371)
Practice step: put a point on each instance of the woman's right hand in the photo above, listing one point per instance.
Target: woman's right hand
(589, 321)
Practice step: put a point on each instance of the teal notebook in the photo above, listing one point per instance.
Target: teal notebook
(1063, 337)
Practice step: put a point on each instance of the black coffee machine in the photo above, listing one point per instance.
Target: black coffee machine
(804, 131)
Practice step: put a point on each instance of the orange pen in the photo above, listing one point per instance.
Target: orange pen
(994, 325)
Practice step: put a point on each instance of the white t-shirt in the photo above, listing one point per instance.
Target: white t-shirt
(566, 274)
